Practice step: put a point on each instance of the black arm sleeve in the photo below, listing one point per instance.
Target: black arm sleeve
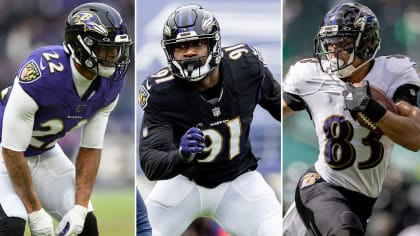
(159, 157)
(408, 93)
(295, 102)
(270, 95)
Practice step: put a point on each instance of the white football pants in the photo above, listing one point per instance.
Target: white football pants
(245, 206)
(53, 176)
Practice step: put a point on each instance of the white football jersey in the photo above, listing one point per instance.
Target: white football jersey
(349, 155)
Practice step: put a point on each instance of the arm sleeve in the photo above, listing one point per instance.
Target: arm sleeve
(159, 157)
(270, 95)
(18, 119)
(295, 102)
(94, 131)
(408, 93)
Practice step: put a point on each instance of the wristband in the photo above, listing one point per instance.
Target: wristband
(374, 111)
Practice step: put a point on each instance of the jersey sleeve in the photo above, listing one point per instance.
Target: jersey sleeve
(251, 74)
(42, 74)
(159, 157)
(150, 97)
(94, 132)
(295, 102)
(18, 120)
(404, 70)
(270, 95)
(303, 77)
(407, 85)
(408, 93)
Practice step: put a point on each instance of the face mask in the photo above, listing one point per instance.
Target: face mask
(341, 73)
(105, 71)
(192, 71)
(349, 70)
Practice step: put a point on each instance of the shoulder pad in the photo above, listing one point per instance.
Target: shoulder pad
(398, 63)
(153, 84)
(393, 71)
(305, 68)
(304, 77)
(257, 54)
(158, 79)
(29, 72)
(238, 51)
(43, 61)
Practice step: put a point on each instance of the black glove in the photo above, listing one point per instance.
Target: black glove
(358, 99)
(192, 142)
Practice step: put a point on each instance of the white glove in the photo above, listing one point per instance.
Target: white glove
(40, 223)
(73, 222)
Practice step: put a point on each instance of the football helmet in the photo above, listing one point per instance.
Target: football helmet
(96, 37)
(188, 23)
(349, 27)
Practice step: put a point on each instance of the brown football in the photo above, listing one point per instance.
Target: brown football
(379, 96)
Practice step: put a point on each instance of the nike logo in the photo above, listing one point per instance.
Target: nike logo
(41, 64)
(147, 85)
(349, 96)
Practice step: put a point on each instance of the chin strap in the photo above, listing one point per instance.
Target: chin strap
(190, 69)
(191, 64)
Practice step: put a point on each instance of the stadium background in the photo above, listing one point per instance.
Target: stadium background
(255, 22)
(28, 24)
(399, 205)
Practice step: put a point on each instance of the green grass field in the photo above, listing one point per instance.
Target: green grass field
(114, 209)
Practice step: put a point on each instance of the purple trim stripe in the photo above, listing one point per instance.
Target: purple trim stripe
(260, 91)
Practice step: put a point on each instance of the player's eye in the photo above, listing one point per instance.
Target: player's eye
(180, 46)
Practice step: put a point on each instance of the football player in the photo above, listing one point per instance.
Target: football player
(336, 196)
(58, 89)
(195, 131)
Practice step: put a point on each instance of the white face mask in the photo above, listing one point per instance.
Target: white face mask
(342, 73)
(346, 71)
(105, 71)
(349, 70)
(198, 73)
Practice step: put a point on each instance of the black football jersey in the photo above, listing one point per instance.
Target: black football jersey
(172, 106)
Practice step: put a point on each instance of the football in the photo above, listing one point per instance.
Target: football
(379, 96)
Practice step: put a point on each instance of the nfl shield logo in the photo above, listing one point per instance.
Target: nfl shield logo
(216, 111)
(143, 96)
(80, 108)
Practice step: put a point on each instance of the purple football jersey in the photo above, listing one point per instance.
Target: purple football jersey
(46, 76)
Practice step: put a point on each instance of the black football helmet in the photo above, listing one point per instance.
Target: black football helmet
(350, 27)
(96, 37)
(187, 23)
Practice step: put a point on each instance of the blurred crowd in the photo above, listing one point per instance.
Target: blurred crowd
(28, 24)
(397, 211)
